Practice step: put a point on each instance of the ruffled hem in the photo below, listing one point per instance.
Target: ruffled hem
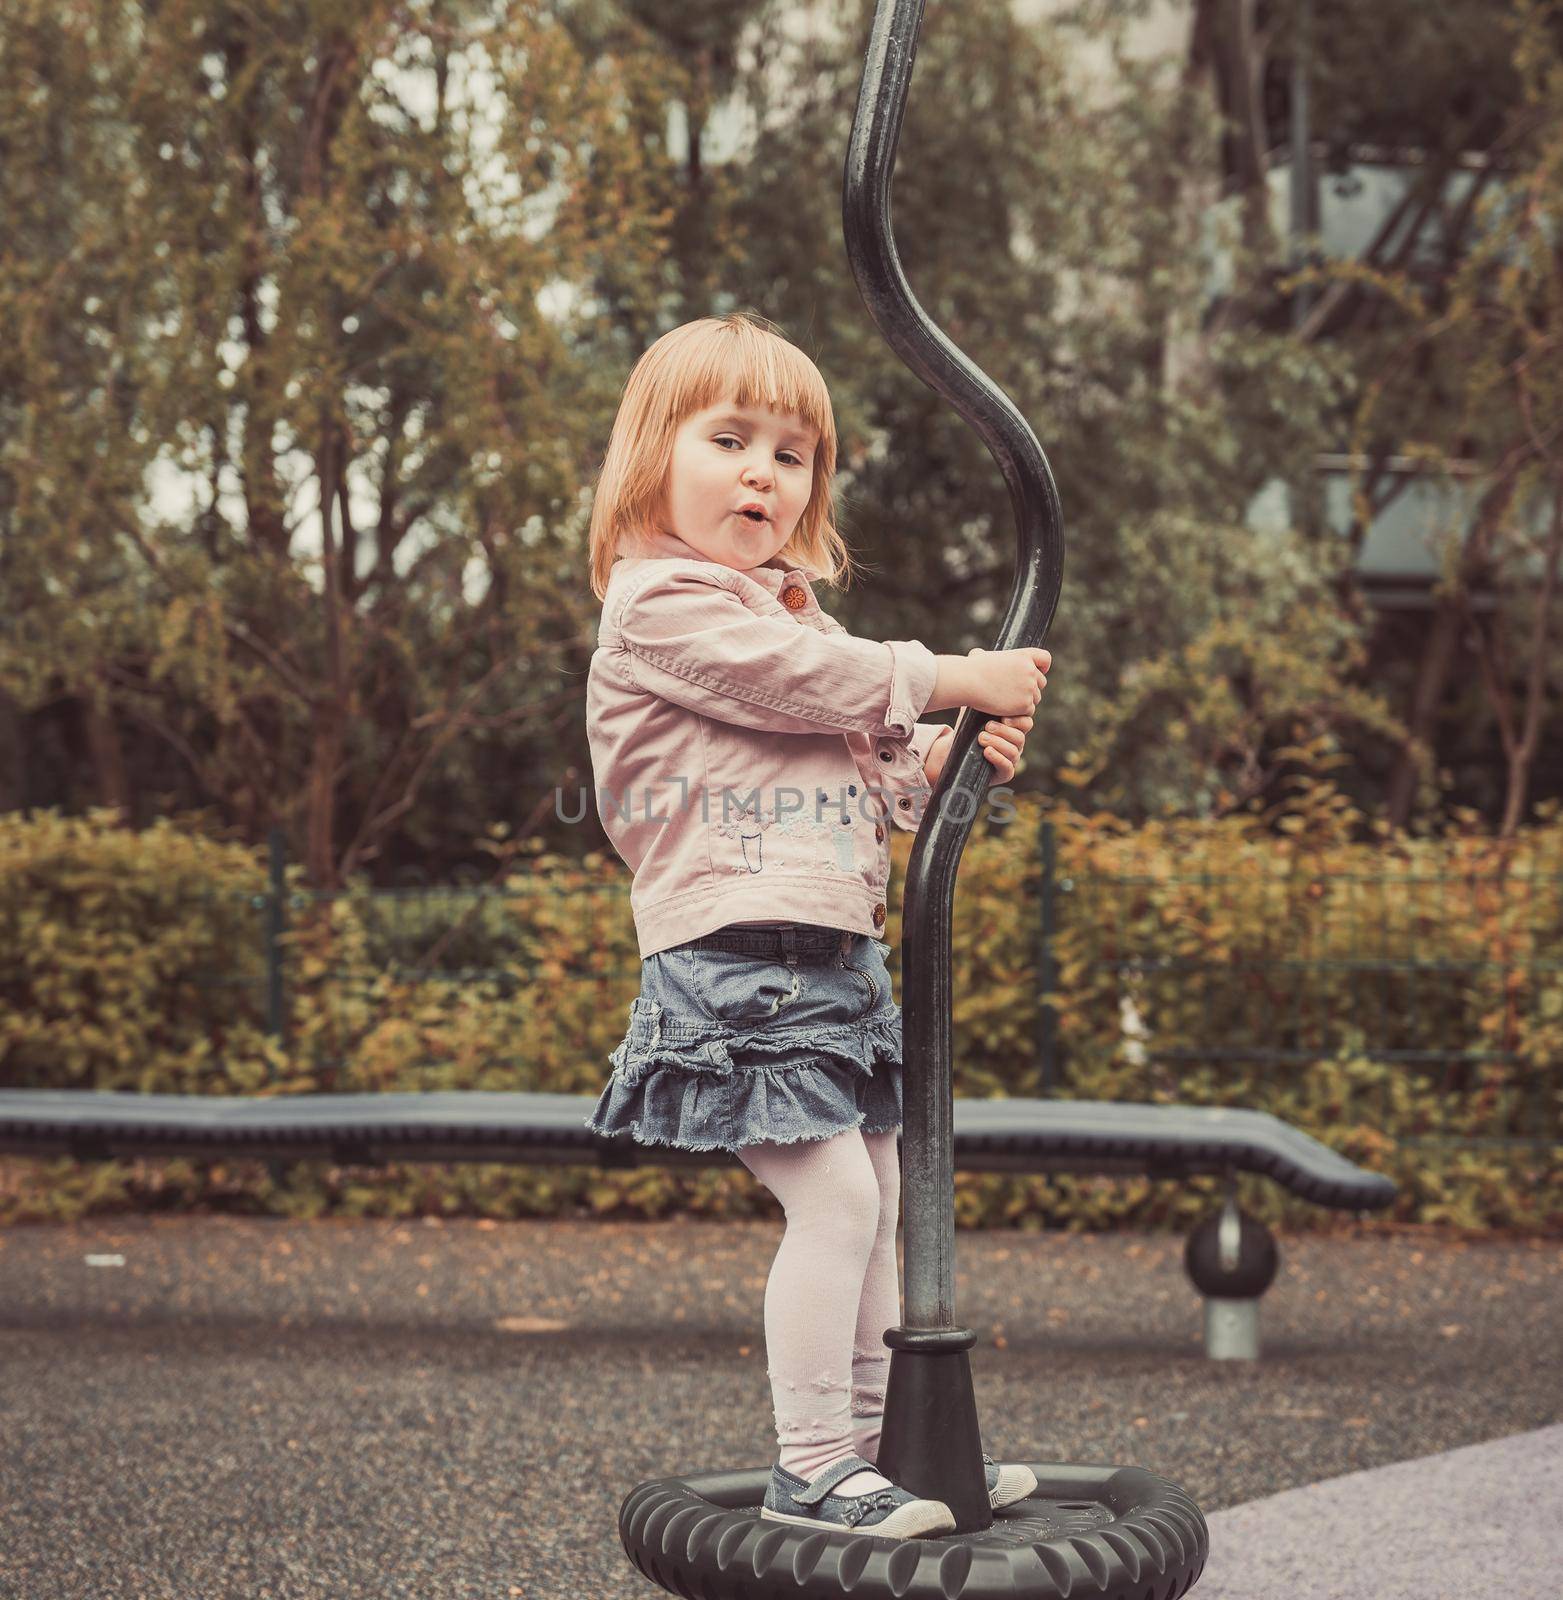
(725, 1089)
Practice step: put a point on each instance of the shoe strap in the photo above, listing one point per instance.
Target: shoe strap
(813, 1493)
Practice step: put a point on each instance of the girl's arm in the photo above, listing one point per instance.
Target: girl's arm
(933, 747)
(956, 685)
(691, 639)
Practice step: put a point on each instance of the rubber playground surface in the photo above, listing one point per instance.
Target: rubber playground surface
(205, 1407)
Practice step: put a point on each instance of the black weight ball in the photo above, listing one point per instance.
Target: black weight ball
(1254, 1269)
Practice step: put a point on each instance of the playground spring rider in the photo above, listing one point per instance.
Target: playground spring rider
(1089, 1532)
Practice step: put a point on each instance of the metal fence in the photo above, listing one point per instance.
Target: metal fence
(1258, 1007)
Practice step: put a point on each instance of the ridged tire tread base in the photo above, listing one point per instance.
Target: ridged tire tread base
(1139, 1537)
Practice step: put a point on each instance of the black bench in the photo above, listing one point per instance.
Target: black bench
(1231, 1257)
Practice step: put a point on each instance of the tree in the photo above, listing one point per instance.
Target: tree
(300, 253)
(373, 278)
(1501, 332)
(1044, 220)
(1459, 373)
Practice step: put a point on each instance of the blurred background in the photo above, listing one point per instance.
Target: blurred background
(313, 320)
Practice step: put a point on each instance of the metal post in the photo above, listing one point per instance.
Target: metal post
(1047, 971)
(276, 1000)
(931, 1441)
(1231, 1325)
(276, 925)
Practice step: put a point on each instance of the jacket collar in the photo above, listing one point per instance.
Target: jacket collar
(772, 574)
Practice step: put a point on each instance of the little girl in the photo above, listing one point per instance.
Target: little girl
(749, 757)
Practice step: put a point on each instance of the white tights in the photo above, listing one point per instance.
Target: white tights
(832, 1292)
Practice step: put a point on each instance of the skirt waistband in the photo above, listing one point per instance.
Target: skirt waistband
(776, 944)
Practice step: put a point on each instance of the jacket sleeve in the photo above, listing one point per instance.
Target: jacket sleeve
(692, 640)
(924, 733)
(901, 777)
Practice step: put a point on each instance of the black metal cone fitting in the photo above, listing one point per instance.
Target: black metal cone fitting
(930, 1443)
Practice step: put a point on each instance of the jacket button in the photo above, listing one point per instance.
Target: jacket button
(904, 803)
(794, 599)
(879, 916)
(879, 834)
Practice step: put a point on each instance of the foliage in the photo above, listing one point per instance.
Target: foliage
(131, 959)
(396, 262)
(1412, 988)
(1451, 329)
(1048, 224)
(294, 418)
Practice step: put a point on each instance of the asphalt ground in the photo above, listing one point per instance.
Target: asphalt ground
(267, 1409)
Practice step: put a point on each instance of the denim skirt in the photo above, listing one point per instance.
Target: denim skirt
(755, 1035)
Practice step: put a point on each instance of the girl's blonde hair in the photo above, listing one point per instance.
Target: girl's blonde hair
(738, 357)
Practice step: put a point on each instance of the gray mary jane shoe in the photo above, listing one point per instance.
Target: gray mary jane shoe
(888, 1513)
(1007, 1484)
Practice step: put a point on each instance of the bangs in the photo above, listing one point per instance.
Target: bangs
(749, 367)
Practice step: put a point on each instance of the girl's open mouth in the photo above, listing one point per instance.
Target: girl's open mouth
(753, 516)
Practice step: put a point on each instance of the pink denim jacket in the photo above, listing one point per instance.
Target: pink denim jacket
(747, 750)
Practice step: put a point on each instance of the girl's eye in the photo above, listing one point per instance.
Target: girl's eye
(795, 461)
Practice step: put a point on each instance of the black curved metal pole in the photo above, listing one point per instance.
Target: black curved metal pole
(923, 1446)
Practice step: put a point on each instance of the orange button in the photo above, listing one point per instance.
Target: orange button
(879, 916)
(879, 834)
(795, 599)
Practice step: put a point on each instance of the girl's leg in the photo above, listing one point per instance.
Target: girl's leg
(830, 1194)
(880, 1305)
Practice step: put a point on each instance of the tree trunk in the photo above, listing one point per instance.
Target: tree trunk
(330, 704)
(1226, 57)
(1444, 636)
(13, 755)
(265, 521)
(1443, 641)
(108, 758)
(1185, 347)
(1523, 754)
(1226, 35)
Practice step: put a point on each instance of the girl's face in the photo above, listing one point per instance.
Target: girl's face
(731, 458)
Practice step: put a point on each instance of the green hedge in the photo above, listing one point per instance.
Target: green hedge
(136, 961)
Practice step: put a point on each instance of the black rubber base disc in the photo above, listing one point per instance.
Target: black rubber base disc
(1088, 1533)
